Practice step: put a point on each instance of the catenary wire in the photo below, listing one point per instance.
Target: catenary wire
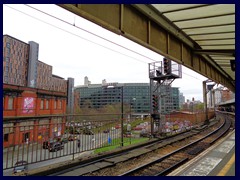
(100, 37)
(74, 25)
(89, 33)
(76, 35)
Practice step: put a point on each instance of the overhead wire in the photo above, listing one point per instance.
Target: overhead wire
(74, 25)
(102, 38)
(75, 34)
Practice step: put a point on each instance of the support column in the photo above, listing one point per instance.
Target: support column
(205, 102)
(213, 94)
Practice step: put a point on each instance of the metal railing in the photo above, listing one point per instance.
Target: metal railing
(68, 135)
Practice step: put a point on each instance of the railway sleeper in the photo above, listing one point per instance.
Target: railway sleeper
(195, 151)
(171, 168)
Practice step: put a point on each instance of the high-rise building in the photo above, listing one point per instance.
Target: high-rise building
(99, 95)
(70, 95)
(138, 94)
(30, 90)
(181, 99)
(169, 99)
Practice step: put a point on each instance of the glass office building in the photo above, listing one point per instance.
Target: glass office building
(99, 95)
(138, 94)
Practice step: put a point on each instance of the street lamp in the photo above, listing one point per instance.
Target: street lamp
(122, 116)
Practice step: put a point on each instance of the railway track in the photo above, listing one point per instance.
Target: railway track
(166, 153)
(173, 160)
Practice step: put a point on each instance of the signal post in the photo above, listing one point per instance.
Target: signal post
(161, 73)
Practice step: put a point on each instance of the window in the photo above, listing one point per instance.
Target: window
(6, 69)
(10, 103)
(8, 45)
(41, 107)
(60, 105)
(47, 104)
(6, 79)
(5, 137)
(55, 104)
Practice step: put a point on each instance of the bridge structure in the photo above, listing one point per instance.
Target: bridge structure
(198, 36)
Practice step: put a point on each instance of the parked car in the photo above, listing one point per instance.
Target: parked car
(127, 134)
(106, 131)
(64, 140)
(72, 137)
(20, 166)
(47, 143)
(88, 132)
(118, 126)
(55, 147)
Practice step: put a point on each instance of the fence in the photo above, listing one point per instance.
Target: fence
(33, 139)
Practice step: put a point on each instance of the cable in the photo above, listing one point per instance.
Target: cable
(102, 38)
(191, 76)
(74, 25)
(75, 34)
(89, 33)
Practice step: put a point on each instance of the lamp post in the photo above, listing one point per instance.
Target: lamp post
(122, 116)
(129, 128)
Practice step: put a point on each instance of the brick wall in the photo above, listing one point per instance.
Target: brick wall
(192, 117)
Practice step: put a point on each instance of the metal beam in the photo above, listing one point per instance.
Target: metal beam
(147, 27)
(215, 51)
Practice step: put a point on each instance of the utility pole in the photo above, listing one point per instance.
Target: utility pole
(122, 116)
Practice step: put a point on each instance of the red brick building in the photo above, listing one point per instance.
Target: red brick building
(34, 100)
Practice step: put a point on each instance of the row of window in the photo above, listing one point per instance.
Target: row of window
(43, 105)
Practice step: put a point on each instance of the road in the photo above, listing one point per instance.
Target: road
(37, 157)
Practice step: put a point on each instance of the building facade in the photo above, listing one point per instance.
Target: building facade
(34, 99)
(181, 100)
(136, 94)
(100, 95)
(220, 94)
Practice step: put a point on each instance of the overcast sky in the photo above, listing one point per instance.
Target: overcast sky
(74, 52)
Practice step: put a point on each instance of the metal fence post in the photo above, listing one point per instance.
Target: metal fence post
(122, 118)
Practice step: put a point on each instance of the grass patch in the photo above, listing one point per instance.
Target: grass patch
(116, 143)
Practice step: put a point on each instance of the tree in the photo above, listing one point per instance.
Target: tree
(200, 106)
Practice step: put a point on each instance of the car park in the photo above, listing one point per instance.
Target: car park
(20, 166)
(55, 147)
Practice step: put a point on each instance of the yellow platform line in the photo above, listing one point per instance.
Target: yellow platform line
(226, 168)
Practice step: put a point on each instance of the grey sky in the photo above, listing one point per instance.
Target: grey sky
(76, 53)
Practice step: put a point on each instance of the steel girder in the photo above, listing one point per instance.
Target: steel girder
(143, 25)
